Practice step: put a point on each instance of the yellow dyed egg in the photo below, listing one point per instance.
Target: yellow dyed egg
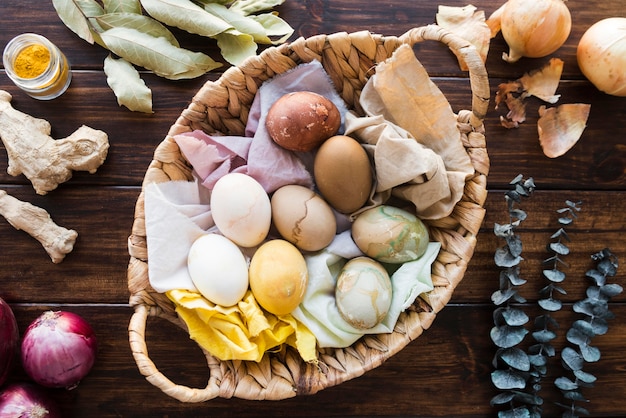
(390, 234)
(343, 173)
(363, 293)
(218, 269)
(241, 209)
(278, 276)
(303, 218)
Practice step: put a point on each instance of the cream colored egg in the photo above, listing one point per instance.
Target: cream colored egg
(343, 173)
(390, 234)
(241, 209)
(278, 276)
(303, 218)
(363, 293)
(218, 269)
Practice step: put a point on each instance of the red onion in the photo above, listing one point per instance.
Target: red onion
(24, 400)
(58, 349)
(9, 338)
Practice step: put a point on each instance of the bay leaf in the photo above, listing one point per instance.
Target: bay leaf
(122, 6)
(247, 7)
(139, 22)
(187, 16)
(124, 79)
(157, 54)
(274, 27)
(236, 46)
(75, 14)
(243, 24)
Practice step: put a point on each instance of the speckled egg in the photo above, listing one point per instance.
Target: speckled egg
(390, 234)
(218, 269)
(303, 218)
(241, 209)
(343, 173)
(302, 120)
(363, 293)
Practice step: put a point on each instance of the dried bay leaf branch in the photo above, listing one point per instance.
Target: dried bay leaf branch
(236, 46)
(247, 7)
(157, 54)
(274, 27)
(122, 6)
(238, 21)
(75, 17)
(129, 88)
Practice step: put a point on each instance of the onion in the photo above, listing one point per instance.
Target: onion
(601, 55)
(24, 400)
(534, 28)
(9, 338)
(58, 349)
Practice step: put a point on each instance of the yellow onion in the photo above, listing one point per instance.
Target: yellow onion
(601, 55)
(534, 28)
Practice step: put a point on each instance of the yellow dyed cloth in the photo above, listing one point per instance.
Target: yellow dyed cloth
(240, 332)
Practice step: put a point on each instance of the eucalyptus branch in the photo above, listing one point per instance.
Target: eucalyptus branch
(595, 309)
(511, 364)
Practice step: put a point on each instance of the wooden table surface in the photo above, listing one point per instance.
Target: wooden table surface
(446, 371)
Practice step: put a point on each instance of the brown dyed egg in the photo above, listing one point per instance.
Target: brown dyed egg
(343, 173)
(303, 218)
(300, 121)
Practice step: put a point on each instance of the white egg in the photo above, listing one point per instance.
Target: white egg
(363, 292)
(241, 209)
(218, 269)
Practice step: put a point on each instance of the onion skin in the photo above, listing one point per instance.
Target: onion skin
(601, 55)
(9, 339)
(58, 349)
(24, 400)
(534, 28)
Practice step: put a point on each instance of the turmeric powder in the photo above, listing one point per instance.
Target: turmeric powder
(32, 61)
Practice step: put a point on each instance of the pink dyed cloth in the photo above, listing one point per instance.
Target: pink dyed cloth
(256, 154)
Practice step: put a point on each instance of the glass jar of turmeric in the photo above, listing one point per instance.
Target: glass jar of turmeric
(37, 66)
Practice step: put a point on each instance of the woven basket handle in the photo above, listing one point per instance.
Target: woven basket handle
(137, 338)
(479, 81)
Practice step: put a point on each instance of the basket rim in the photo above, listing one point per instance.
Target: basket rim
(238, 84)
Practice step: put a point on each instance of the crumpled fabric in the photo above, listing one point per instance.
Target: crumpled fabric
(255, 153)
(242, 331)
(402, 104)
(319, 312)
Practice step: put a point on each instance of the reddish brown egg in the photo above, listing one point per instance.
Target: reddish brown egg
(300, 121)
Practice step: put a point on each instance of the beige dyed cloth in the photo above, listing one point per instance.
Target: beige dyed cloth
(411, 133)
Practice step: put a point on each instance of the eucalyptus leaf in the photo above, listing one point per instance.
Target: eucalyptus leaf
(139, 22)
(564, 383)
(538, 360)
(187, 16)
(608, 267)
(500, 297)
(122, 6)
(247, 7)
(515, 317)
(504, 258)
(543, 336)
(506, 336)
(515, 245)
(519, 214)
(576, 337)
(516, 358)
(508, 379)
(572, 359)
(157, 54)
(276, 28)
(584, 376)
(575, 395)
(129, 88)
(550, 304)
(502, 230)
(554, 275)
(559, 248)
(590, 354)
(236, 46)
(512, 275)
(240, 22)
(72, 15)
(611, 289)
(502, 398)
(596, 276)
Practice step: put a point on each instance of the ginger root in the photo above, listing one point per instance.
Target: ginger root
(56, 240)
(47, 162)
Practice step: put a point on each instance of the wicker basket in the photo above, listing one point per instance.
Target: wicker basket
(223, 106)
